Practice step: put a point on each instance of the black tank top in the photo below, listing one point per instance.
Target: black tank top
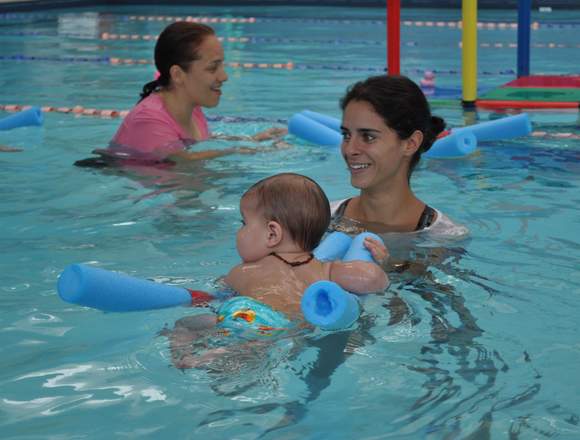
(425, 220)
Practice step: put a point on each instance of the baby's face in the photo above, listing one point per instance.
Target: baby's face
(252, 236)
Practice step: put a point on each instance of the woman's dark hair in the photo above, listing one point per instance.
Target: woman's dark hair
(297, 203)
(177, 45)
(403, 107)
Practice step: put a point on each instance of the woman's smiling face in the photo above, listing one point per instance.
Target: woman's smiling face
(373, 152)
(205, 76)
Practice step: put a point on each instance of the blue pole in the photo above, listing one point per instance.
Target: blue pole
(524, 25)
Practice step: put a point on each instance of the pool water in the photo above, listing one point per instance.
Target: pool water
(476, 339)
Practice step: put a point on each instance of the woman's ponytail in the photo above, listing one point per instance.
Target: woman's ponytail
(436, 127)
(149, 88)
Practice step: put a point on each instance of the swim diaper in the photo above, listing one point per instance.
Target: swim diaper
(246, 316)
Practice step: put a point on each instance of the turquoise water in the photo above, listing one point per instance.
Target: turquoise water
(477, 339)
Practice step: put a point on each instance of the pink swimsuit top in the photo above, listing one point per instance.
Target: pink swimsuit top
(150, 133)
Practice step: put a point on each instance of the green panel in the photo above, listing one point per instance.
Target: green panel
(549, 94)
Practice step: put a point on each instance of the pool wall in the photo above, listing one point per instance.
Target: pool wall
(23, 5)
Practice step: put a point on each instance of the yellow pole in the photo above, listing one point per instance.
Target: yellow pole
(469, 52)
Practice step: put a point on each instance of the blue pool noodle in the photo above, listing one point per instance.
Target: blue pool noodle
(114, 292)
(328, 121)
(357, 249)
(313, 131)
(32, 116)
(457, 144)
(327, 305)
(333, 247)
(321, 129)
(505, 128)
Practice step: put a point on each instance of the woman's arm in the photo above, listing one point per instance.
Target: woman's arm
(210, 154)
(5, 149)
(266, 135)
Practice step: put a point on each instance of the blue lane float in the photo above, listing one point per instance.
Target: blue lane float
(114, 292)
(31, 116)
(324, 130)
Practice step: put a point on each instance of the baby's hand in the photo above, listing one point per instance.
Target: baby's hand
(377, 249)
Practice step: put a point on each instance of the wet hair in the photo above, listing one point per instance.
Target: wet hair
(297, 203)
(177, 45)
(403, 107)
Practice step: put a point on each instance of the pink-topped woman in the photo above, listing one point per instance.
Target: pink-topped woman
(169, 117)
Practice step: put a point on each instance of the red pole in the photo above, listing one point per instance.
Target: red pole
(394, 37)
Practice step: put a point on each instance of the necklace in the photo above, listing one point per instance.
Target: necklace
(293, 263)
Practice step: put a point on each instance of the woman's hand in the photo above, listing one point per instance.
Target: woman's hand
(5, 149)
(276, 146)
(244, 150)
(377, 249)
(271, 133)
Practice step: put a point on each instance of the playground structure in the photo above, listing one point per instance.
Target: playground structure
(526, 92)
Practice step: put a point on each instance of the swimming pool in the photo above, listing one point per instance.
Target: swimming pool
(478, 339)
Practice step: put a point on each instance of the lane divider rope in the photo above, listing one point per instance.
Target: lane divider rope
(239, 65)
(490, 25)
(409, 23)
(107, 36)
(113, 114)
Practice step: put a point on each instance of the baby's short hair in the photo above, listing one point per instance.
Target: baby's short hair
(297, 202)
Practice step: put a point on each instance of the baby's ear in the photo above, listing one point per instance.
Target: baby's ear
(275, 233)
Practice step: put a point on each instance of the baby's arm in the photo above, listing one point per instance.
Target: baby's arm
(359, 276)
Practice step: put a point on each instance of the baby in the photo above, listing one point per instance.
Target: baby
(283, 219)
